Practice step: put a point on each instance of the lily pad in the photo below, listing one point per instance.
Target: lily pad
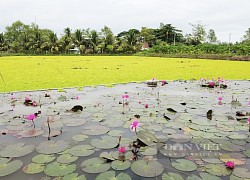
(184, 165)
(74, 176)
(237, 158)
(73, 122)
(206, 176)
(95, 130)
(148, 151)
(116, 133)
(43, 158)
(109, 175)
(66, 158)
(81, 150)
(57, 169)
(33, 168)
(120, 165)
(95, 165)
(9, 168)
(193, 177)
(171, 176)
(147, 137)
(80, 137)
(17, 150)
(106, 142)
(51, 147)
(147, 168)
(217, 169)
(241, 172)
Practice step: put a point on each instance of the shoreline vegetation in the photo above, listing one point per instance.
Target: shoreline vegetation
(20, 73)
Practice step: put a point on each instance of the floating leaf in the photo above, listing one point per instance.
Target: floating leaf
(33, 168)
(148, 151)
(120, 165)
(238, 159)
(9, 168)
(30, 133)
(193, 177)
(112, 176)
(43, 158)
(73, 122)
(81, 150)
(80, 137)
(171, 176)
(66, 158)
(17, 150)
(57, 169)
(51, 147)
(241, 172)
(95, 165)
(108, 156)
(95, 130)
(74, 176)
(147, 137)
(218, 169)
(184, 165)
(207, 176)
(106, 142)
(147, 168)
(247, 153)
(115, 133)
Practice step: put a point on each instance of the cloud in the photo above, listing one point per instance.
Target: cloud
(224, 16)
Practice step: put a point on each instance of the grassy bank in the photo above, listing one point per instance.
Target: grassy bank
(42, 72)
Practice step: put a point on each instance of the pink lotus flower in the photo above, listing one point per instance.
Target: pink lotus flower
(34, 103)
(153, 79)
(163, 82)
(31, 117)
(27, 99)
(77, 97)
(134, 125)
(146, 105)
(220, 98)
(122, 150)
(229, 164)
(248, 103)
(211, 83)
(248, 121)
(125, 96)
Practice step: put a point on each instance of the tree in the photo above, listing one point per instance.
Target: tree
(3, 45)
(147, 35)
(211, 36)
(246, 37)
(108, 38)
(198, 33)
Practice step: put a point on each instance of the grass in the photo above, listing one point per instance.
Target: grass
(44, 72)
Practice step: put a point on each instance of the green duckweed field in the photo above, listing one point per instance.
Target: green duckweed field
(44, 72)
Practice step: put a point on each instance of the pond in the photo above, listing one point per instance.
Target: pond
(175, 137)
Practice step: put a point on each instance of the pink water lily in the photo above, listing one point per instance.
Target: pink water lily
(122, 150)
(229, 164)
(134, 125)
(34, 103)
(27, 99)
(248, 121)
(146, 105)
(125, 96)
(220, 98)
(31, 117)
(248, 103)
(163, 82)
(77, 98)
(211, 84)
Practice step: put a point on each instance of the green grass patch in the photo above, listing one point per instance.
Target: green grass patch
(44, 72)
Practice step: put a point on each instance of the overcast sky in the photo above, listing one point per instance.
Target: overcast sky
(224, 16)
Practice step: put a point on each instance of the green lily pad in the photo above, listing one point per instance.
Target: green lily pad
(106, 142)
(95, 130)
(147, 168)
(232, 177)
(116, 133)
(184, 165)
(148, 151)
(80, 137)
(43, 158)
(206, 176)
(171, 176)
(111, 175)
(73, 122)
(155, 128)
(51, 147)
(217, 169)
(81, 150)
(17, 150)
(33, 168)
(241, 172)
(193, 177)
(66, 158)
(74, 176)
(147, 137)
(57, 169)
(9, 168)
(247, 153)
(107, 155)
(95, 165)
(120, 165)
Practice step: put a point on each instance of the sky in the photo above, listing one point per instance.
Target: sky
(228, 18)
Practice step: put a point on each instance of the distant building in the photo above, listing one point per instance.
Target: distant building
(145, 46)
(75, 50)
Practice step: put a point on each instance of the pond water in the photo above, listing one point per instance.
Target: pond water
(179, 140)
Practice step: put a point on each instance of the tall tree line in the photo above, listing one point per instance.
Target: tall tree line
(30, 39)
